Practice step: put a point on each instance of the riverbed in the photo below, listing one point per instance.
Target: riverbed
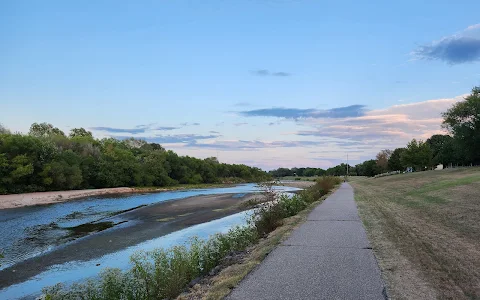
(37, 241)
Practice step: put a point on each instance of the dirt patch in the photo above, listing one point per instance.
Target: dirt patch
(424, 231)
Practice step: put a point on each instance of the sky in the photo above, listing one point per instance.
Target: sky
(267, 83)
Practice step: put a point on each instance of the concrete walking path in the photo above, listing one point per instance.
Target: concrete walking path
(327, 257)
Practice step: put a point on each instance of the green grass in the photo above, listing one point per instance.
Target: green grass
(446, 184)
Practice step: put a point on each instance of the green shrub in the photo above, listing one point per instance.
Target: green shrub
(161, 273)
(267, 218)
(327, 183)
(291, 205)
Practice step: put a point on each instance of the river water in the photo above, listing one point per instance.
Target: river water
(27, 232)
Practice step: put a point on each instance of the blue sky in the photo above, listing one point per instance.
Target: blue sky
(268, 82)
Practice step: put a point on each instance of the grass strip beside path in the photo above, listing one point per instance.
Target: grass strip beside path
(425, 231)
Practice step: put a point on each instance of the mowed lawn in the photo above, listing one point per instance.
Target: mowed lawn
(425, 231)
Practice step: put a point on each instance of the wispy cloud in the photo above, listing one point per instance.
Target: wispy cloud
(394, 125)
(119, 130)
(165, 128)
(281, 74)
(240, 124)
(174, 138)
(297, 113)
(242, 104)
(138, 129)
(264, 72)
(214, 132)
(252, 145)
(462, 47)
(186, 124)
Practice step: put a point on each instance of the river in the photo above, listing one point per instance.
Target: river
(33, 231)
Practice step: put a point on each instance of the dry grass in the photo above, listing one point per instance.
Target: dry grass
(425, 230)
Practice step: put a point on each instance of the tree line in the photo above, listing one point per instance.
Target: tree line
(46, 159)
(460, 147)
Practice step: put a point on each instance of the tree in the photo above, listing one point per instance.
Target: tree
(443, 149)
(80, 132)
(46, 159)
(368, 168)
(44, 130)
(395, 163)
(382, 159)
(417, 155)
(463, 121)
(3, 130)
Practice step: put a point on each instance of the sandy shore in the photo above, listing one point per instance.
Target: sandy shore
(147, 222)
(39, 198)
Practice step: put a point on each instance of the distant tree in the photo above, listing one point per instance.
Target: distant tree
(309, 172)
(48, 160)
(80, 132)
(463, 121)
(368, 168)
(281, 172)
(417, 155)
(395, 163)
(382, 159)
(443, 149)
(3, 130)
(44, 130)
(339, 170)
(212, 160)
(320, 172)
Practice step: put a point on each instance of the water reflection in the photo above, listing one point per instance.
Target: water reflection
(30, 231)
(74, 271)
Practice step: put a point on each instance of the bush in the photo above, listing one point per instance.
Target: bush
(290, 206)
(161, 273)
(327, 183)
(267, 218)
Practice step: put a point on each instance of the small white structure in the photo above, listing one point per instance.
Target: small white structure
(439, 167)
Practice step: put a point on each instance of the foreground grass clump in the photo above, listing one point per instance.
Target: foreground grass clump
(165, 273)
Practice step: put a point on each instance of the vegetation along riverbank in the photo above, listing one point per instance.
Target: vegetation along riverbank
(166, 273)
(46, 159)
